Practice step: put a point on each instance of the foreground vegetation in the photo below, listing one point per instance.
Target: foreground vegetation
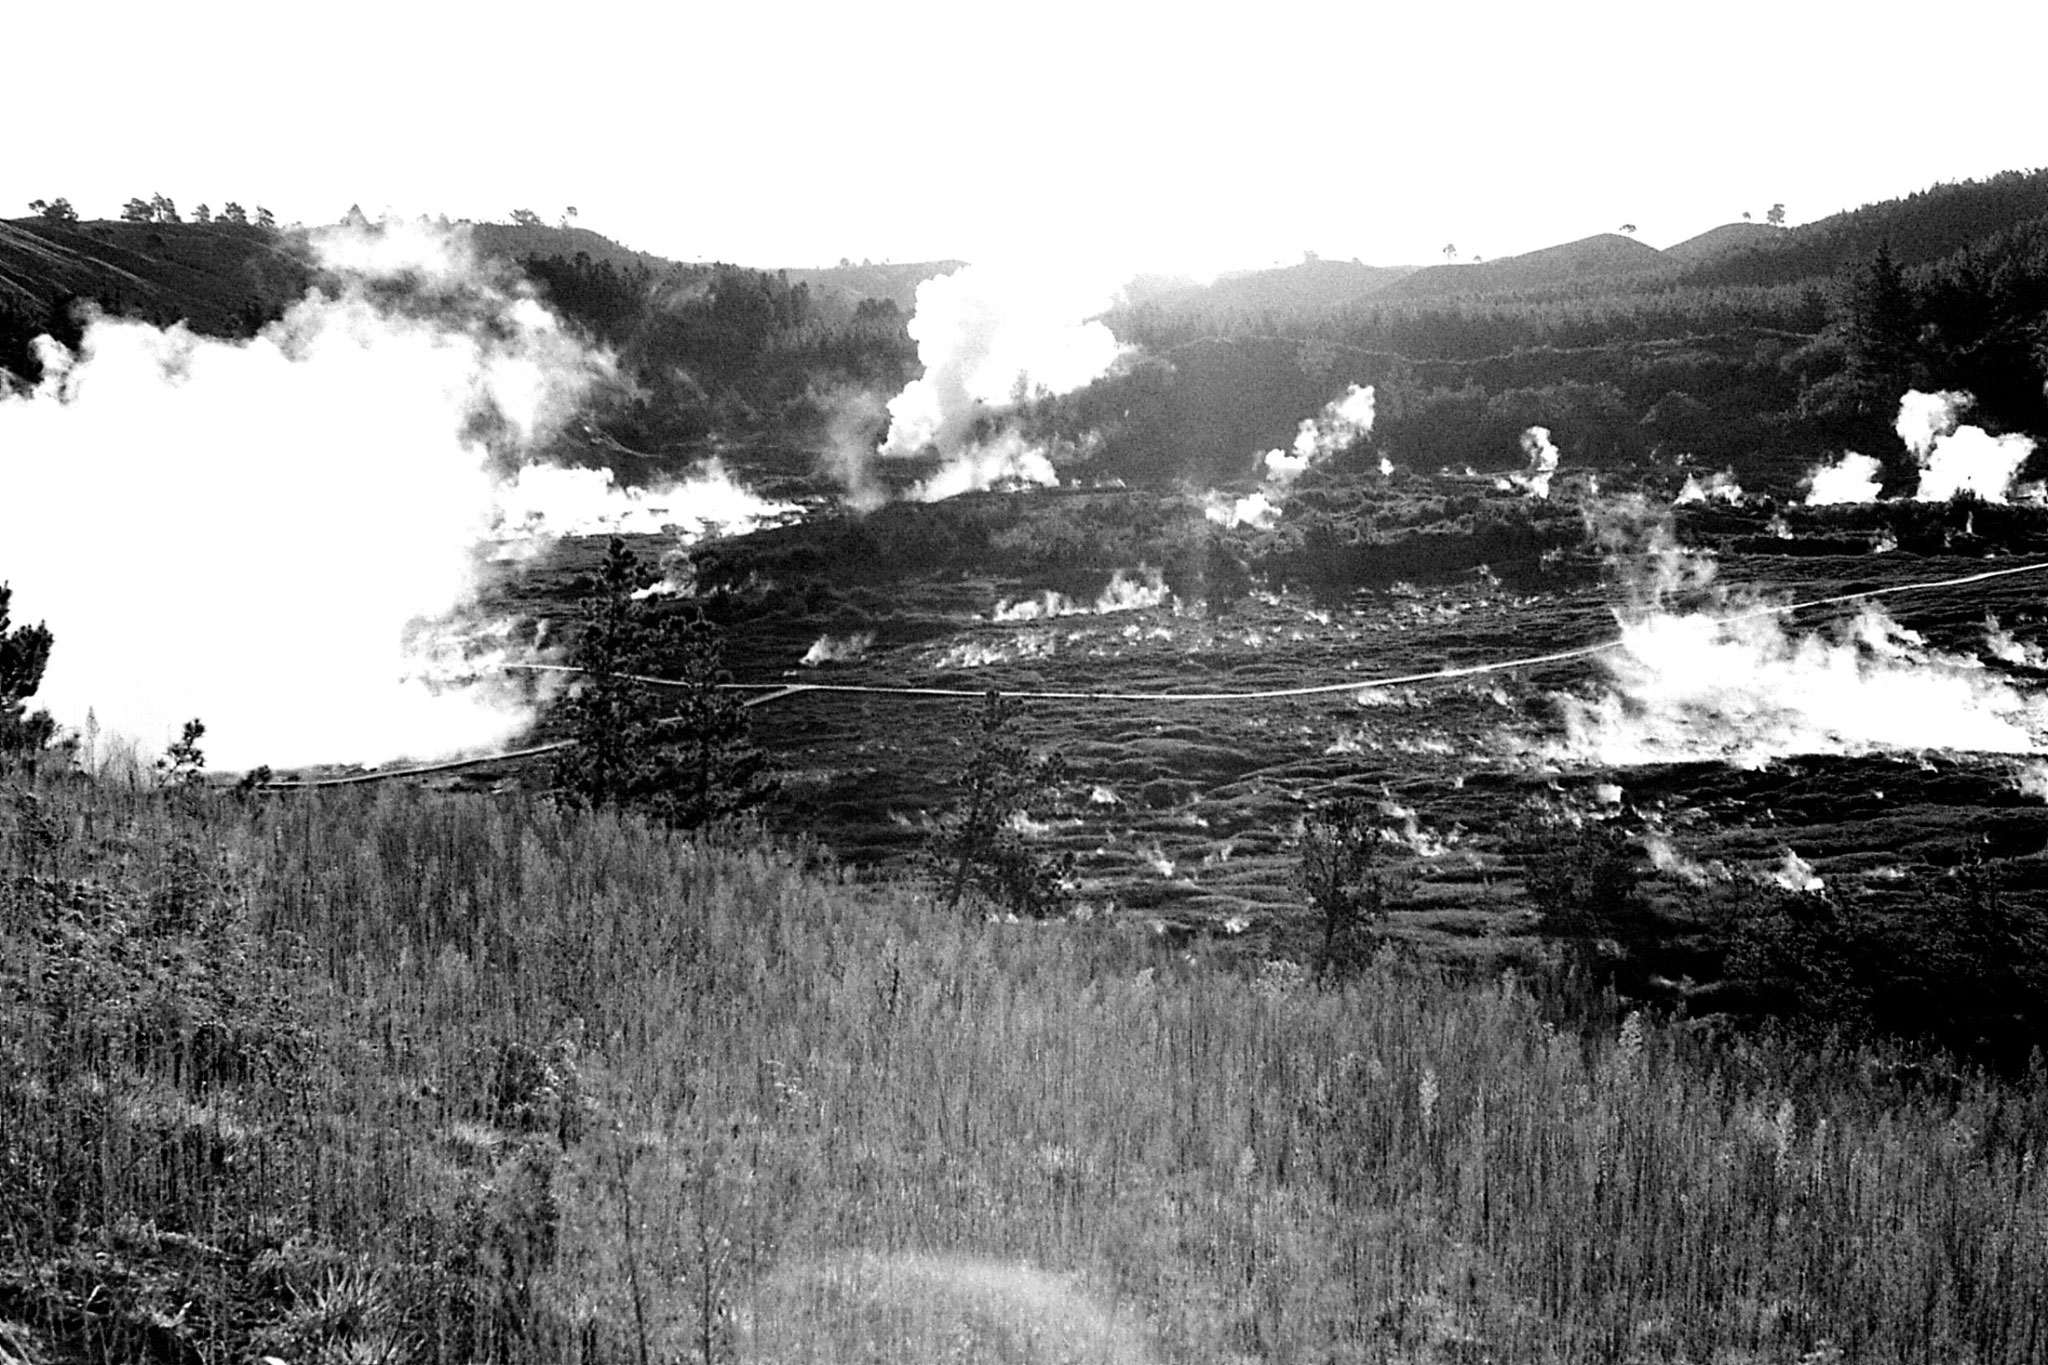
(386, 1075)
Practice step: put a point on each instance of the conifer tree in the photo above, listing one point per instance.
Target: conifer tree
(682, 754)
(24, 653)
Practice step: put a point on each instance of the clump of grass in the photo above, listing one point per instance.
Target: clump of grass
(401, 1076)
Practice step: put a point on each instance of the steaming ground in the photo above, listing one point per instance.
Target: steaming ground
(1860, 743)
(282, 537)
(232, 531)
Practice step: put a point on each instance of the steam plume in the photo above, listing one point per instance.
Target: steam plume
(1720, 487)
(1954, 458)
(1542, 457)
(854, 422)
(1716, 681)
(280, 535)
(1255, 509)
(1344, 421)
(989, 337)
(1124, 593)
(1853, 478)
(545, 502)
(835, 649)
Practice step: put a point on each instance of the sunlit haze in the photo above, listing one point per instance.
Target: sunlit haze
(1181, 140)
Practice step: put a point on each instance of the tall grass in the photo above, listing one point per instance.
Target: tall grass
(391, 1075)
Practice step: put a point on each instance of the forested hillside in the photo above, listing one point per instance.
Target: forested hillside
(1765, 359)
(706, 348)
(1751, 347)
(223, 278)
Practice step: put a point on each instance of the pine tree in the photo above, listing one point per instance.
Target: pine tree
(24, 653)
(1881, 325)
(682, 754)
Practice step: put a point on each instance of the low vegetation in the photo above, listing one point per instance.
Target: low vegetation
(387, 1075)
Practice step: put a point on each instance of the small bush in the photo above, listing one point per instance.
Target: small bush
(979, 845)
(1341, 874)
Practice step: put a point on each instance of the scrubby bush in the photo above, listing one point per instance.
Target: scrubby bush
(1584, 880)
(1962, 968)
(983, 844)
(1341, 872)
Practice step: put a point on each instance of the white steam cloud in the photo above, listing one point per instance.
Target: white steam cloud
(1720, 487)
(1005, 461)
(1343, 422)
(1853, 478)
(854, 421)
(1745, 687)
(280, 536)
(1254, 509)
(988, 337)
(1124, 593)
(1543, 458)
(1952, 458)
(838, 649)
(545, 502)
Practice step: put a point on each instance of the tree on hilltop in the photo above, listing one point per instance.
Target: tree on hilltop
(53, 210)
(231, 212)
(525, 218)
(137, 211)
(1776, 217)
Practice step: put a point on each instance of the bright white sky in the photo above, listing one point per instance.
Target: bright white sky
(1180, 137)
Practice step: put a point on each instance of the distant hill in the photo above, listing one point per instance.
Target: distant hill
(220, 277)
(1607, 256)
(1722, 240)
(1919, 228)
(1308, 286)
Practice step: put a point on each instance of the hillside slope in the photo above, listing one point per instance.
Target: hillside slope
(1918, 229)
(219, 277)
(1720, 241)
(1310, 285)
(1601, 258)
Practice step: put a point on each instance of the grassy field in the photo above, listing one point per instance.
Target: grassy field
(400, 1076)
